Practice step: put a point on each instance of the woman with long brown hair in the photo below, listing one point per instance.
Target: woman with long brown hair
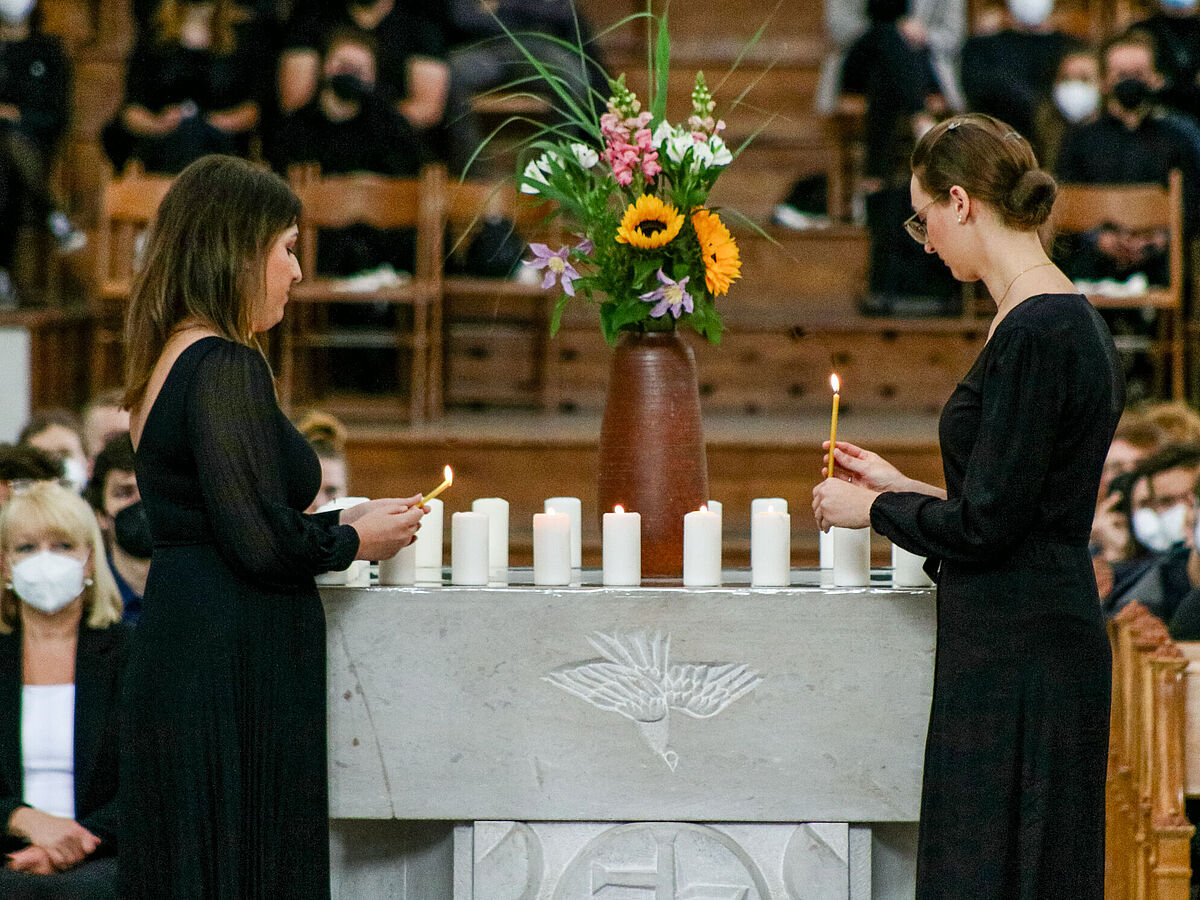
(224, 765)
(1013, 798)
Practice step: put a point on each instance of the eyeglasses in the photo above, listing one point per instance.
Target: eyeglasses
(916, 227)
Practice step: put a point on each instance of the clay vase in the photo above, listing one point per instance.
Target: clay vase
(652, 457)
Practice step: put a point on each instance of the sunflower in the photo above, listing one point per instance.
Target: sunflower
(722, 264)
(649, 223)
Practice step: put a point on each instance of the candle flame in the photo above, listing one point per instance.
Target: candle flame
(835, 382)
(448, 474)
(703, 507)
(618, 508)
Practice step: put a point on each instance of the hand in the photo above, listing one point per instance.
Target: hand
(388, 504)
(64, 840)
(387, 527)
(32, 859)
(1109, 529)
(843, 504)
(862, 467)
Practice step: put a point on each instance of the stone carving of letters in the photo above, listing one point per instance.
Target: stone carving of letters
(636, 679)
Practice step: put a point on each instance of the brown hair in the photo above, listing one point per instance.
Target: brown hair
(45, 418)
(324, 433)
(46, 505)
(206, 259)
(991, 162)
(1133, 37)
(168, 24)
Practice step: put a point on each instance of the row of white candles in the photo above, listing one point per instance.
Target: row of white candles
(479, 547)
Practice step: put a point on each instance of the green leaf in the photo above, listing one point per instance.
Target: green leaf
(662, 69)
(556, 316)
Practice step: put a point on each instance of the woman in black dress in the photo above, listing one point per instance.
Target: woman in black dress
(1013, 798)
(224, 736)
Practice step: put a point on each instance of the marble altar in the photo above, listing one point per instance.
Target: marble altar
(488, 743)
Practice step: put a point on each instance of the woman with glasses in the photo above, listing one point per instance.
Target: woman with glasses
(62, 651)
(1013, 796)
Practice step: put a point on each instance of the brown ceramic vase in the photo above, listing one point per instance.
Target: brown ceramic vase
(652, 458)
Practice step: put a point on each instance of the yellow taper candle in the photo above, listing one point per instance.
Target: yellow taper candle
(836, 385)
(449, 473)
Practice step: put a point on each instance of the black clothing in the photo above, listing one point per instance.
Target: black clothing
(1177, 58)
(1160, 587)
(224, 763)
(99, 662)
(35, 77)
(1106, 152)
(1013, 798)
(1008, 74)
(408, 30)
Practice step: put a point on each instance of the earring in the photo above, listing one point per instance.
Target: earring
(960, 221)
(87, 582)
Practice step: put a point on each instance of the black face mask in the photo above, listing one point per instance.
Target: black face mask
(131, 529)
(1132, 93)
(348, 87)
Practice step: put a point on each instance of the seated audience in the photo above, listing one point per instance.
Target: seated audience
(1175, 30)
(1009, 73)
(412, 68)
(62, 648)
(1135, 439)
(113, 494)
(1074, 100)
(903, 97)
(35, 107)
(59, 433)
(21, 464)
(103, 419)
(327, 436)
(191, 88)
(1162, 505)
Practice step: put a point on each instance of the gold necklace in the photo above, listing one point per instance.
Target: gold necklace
(1004, 296)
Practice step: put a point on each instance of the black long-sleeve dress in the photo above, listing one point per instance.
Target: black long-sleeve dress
(1013, 797)
(223, 770)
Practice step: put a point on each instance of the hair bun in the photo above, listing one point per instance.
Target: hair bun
(1032, 198)
(321, 428)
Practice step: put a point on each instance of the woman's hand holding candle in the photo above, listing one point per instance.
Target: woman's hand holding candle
(841, 503)
(384, 526)
(863, 467)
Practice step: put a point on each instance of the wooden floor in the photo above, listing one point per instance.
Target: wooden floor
(525, 458)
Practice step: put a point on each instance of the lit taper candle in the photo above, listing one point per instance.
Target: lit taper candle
(448, 474)
(836, 384)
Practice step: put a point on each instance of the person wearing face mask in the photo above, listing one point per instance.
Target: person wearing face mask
(1162, 509)
(59, 433)
(62, 652)
(113, 494)
(1175, 30)
(1074, 100)
(1009, 73)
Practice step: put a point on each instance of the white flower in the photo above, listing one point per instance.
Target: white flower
(663, 133)
(585, 155)
(703, 156)
(533, 173)
(678, 145)
(720, 155)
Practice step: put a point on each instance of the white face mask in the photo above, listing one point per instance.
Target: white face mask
(74, 470)
(48, 581)
(1160, 531)
(1076, 99)
(1030, 13)
(15, 10)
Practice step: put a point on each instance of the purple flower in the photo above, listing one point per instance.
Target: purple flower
(556, 266)
(670, 295)
(585, 245)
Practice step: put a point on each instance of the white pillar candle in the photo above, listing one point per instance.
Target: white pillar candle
(429, 539)
(851, 556)
(907, 569)
(826, 549)
(401, 568)
(761, 504)
(622, 548)
(714, 506)
(358, 570)
(468, 548)
(551, 548)
(496, 509)
(702, 548)
(574, 509)
(770, 548)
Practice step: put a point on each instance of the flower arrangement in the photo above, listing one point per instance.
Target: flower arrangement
(634, 188)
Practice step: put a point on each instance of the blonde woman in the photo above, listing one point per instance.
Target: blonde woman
(62, 651)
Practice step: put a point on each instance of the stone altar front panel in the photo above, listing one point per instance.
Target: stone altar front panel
(804, 704)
